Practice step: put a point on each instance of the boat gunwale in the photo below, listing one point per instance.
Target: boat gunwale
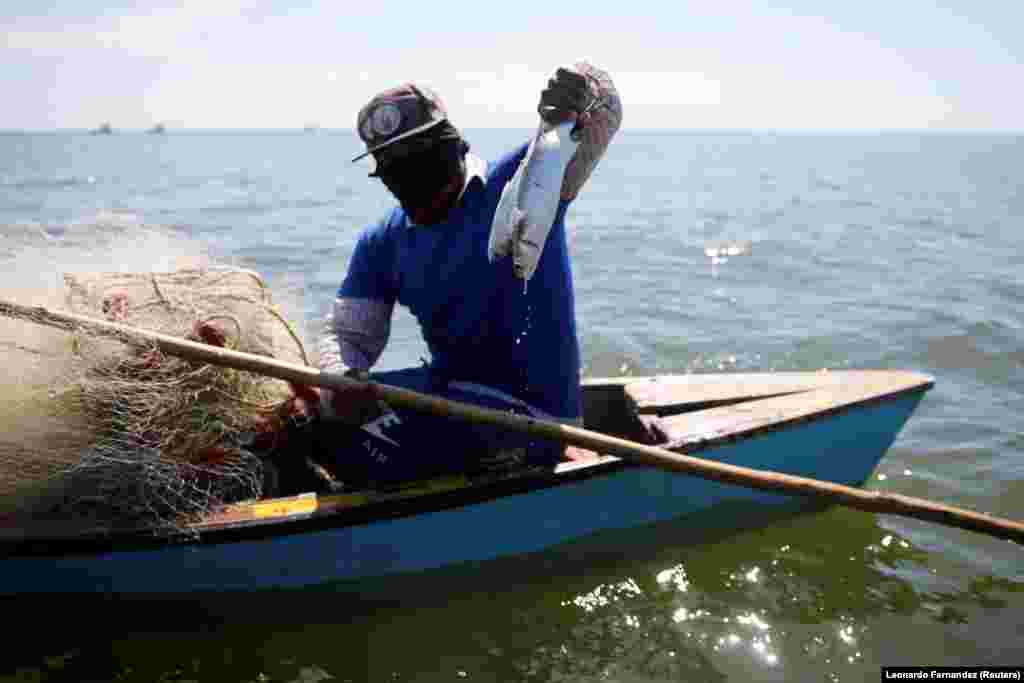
(914, 382)
(324, 515)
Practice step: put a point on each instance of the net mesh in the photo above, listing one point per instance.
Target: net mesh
(127, 436)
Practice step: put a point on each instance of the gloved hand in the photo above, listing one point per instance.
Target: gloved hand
(354, 405)
(566, 97)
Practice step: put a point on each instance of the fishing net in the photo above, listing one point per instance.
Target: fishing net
(135, 437)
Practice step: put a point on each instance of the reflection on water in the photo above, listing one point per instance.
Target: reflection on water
(719, 252)
(764, 608)
(791, 601)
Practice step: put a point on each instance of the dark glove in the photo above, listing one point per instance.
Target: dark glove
(567, 93)
(354, 405)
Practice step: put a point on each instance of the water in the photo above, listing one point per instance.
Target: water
(693, 252)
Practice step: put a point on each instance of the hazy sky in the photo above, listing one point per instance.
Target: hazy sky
(821, 64)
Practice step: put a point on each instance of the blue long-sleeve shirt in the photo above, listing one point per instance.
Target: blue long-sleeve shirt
(479, 322)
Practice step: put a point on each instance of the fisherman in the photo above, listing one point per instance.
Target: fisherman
(491, 343)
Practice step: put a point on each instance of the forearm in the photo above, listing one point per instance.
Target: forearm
(357, 333)
(603, 122)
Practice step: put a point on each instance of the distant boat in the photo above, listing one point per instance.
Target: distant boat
(105, 129)
(311, 128)
(158, 129)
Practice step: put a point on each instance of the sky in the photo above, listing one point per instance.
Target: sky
(719, 64)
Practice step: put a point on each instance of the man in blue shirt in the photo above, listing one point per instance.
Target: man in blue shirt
(492, 341)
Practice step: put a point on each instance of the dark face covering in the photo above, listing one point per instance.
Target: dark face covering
(422, 181)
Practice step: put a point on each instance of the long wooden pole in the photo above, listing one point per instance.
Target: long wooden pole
(869, 501)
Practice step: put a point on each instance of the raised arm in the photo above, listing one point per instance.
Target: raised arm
(601, 120)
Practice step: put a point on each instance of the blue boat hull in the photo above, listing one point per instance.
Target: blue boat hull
(843, 447)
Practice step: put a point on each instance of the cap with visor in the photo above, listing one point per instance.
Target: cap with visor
(398, 114)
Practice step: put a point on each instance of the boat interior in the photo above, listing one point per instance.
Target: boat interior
(690, 412)
(678, 412)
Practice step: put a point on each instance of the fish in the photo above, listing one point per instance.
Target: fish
(529, 201)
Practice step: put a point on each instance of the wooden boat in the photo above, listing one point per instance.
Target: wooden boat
(834, 426)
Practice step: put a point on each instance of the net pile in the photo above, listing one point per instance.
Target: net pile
(159, 441)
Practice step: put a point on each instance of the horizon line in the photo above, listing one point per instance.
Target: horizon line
(652, 129)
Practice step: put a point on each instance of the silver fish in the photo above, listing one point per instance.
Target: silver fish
(529, 201)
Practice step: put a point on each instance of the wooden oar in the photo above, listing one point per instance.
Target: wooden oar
(869, 501)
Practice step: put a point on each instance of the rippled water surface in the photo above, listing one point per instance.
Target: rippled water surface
(693, 252)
